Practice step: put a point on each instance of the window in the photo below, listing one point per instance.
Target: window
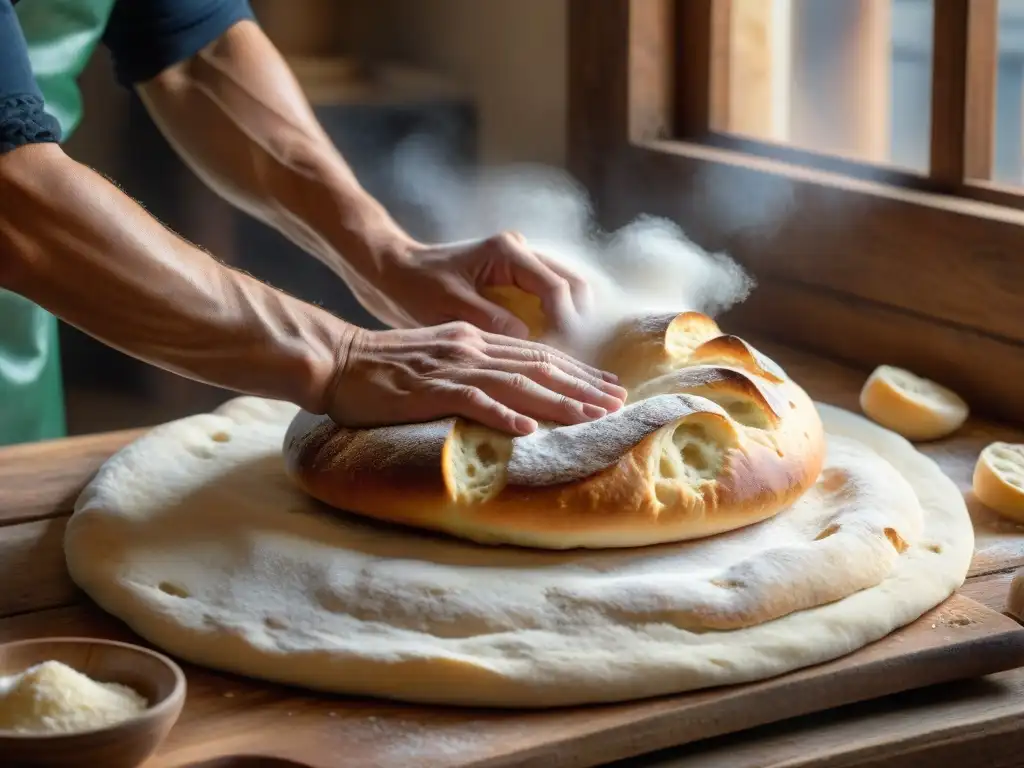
(861, 157)
(819, 82)
(849, 78)
(1008, 165)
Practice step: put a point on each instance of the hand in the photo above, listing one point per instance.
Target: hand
(405, 376)
(418, 285)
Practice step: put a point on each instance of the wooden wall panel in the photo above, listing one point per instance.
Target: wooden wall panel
(963, 90)
(836, 325)
(952, 261)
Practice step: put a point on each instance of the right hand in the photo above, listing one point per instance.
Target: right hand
(422, 374)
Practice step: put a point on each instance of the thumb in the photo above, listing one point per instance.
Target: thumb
(488, 316)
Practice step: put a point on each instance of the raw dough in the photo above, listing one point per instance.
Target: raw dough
(196, 538)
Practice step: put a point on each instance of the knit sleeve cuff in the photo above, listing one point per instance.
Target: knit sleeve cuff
(23, 120)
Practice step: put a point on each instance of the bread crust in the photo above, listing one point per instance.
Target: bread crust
(699, 449)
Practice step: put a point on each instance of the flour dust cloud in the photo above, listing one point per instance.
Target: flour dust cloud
(647, 267)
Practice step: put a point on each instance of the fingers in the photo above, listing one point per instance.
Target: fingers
(474, 403)
(549, 367)
(537, 352)
(522, 382)
(487, 316)
(582, 296)
(535, 275)
(523, 394)
(580, 389)
(525, 397)
(453, 370)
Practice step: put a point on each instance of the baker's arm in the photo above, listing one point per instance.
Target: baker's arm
(76, 245)
(236, 114)
(73, 243)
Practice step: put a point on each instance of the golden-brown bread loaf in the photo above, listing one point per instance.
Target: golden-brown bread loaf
(714, 436)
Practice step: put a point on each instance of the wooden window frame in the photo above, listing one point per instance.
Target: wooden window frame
(861, 263)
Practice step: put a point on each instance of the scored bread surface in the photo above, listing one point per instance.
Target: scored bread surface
(713, 436)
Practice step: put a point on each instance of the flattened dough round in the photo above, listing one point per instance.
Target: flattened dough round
(196, 538)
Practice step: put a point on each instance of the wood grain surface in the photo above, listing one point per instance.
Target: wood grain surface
(230, 717)
(960, 639)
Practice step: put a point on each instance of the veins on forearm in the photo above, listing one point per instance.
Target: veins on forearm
(92, 256)
(239, 118)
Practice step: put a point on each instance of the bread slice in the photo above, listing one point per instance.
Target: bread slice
(912, 406)
(998, 481)
(698, 449)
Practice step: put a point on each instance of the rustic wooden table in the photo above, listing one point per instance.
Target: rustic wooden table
(975, 723)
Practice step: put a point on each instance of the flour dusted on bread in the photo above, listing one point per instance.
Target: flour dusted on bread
(714, 436)
(195, 536)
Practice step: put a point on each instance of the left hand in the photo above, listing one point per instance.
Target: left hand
(420, 285)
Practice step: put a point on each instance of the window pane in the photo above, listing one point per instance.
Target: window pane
(1008, 162)
(850, 78)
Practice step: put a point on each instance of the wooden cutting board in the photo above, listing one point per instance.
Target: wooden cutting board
(230, 721)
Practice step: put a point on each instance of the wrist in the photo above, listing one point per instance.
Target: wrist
(324, 363)
(358, 233)
(363, 237)
(313, 198)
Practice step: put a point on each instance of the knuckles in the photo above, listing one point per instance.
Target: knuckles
(568, 405)
(471, 397)
(519, 381)
(460, 332)
(544, 369)
(509, 241)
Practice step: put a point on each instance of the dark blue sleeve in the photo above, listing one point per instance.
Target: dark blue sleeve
(147, 36)
(22, 117)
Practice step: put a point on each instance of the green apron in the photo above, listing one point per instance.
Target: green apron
(62, 36)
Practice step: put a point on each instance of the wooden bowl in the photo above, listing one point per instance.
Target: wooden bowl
(124, 745)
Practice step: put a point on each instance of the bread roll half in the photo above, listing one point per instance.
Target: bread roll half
(910, 405)
(701, 447)
(998, 480)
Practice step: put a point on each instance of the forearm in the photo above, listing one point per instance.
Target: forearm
(74, 244)
(237, 116)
